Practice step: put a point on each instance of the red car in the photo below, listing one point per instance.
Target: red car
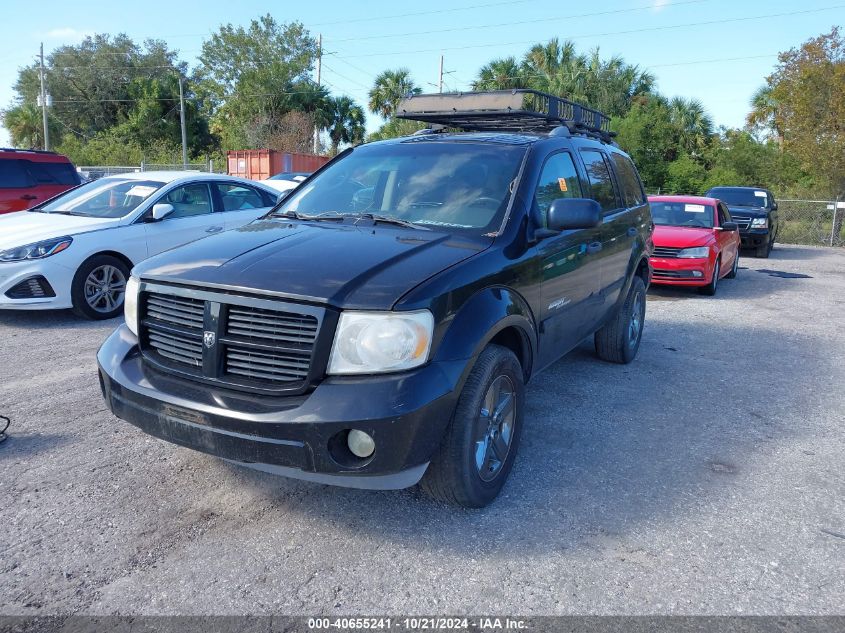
(695, 242)
(29, 177)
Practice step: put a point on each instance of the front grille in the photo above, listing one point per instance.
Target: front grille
(673, 274)
(174, 327)
(742, 221)
(33, 288)
(666, 252)
(234, 341)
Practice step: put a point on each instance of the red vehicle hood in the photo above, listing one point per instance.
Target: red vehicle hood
(682, 236)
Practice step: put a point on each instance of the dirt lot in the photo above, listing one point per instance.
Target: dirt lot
(707, 477)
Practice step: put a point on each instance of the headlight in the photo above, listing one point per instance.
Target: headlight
(695, 253)
(39, 250)
(760, 223)
(130, 304)
(378, 342)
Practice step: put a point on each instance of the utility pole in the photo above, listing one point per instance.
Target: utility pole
(440, 82)
(319, 68)
(44, 103)
(182, 121)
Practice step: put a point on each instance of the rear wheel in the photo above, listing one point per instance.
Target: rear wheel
(98, 287)
(477, 453)
(619, 340)
(710, 289)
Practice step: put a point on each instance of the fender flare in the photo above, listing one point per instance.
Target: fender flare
(480, 319)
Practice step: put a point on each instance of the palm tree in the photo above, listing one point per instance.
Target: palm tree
(764, 111)
(389, 88)
(346, 122)
(500, 74)
(25, 125)
(692, 124)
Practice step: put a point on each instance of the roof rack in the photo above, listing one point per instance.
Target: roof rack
(520, 110)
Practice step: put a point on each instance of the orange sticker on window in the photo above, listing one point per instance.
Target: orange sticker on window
(562, 184)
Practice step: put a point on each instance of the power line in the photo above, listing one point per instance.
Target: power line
(417, 13)
(626, 32)
(518, 23)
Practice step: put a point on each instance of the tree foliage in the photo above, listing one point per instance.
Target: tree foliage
(389, 88)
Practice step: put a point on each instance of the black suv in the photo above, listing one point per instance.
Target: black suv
(378, 327)
(754, 209)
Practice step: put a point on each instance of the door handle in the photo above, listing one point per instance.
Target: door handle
(28, 196)
(632, 232)
(594, 247)
(214, 229)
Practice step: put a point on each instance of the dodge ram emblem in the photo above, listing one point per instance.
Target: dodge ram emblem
(208, 339)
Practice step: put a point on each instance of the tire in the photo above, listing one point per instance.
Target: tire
(734, 268)
(91, 275)
(619, 340)
(710, 289)
(765, 250)
(460, 472)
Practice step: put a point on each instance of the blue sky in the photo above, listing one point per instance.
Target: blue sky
(718, 51)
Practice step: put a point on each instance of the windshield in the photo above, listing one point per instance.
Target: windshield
(682, 214)
(105, 198)
(463, 186)
(741, 197)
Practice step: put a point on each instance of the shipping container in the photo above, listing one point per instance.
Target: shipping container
(260, 164)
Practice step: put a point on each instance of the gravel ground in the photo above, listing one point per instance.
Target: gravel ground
(705, 478)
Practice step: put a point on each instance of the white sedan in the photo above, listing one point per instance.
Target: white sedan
(76, 250)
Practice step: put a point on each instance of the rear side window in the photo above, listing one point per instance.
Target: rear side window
(53, 173)
(629, 183)
(601, 182)
(558, 180)
(239, 197)
(13, 174)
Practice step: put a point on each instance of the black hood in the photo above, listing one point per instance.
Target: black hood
(346, 266)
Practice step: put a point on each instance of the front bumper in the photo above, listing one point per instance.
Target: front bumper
(754, 238)
(299, 436)
(681, 272)
(58, 276)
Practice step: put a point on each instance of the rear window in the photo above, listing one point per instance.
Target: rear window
(601, 183)
(629, 182)
(53, 173)
(13, 174)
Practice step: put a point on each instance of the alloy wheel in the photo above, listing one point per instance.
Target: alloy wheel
(635, 325)
(104, 288)
(495, 428)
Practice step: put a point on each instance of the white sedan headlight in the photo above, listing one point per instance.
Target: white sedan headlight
(130, 304)
(39, 250)
(379, 342)
(699, 252)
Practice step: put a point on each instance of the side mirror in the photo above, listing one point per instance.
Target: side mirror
(730, 226)
(574, 213)
(774, 206)
(161, 211)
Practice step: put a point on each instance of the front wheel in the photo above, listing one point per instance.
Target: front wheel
(98, 287)
(734, 268)
(619, 340)
(477, 453)
(710, 289)
(765, 250)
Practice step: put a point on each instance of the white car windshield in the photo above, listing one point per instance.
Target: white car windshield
(105, 198)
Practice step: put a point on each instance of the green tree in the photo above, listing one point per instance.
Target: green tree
(248, 79)
(764, 112)
(500, 74)
(390, 87)
(685, 176)
(346, 124)
(808, 88)
(693, 126)
(648, 135)
(26, 126)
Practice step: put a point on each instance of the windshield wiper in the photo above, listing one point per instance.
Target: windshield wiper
(391, 220)
(327, 215)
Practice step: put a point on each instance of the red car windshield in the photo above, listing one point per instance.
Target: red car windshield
(682, 214)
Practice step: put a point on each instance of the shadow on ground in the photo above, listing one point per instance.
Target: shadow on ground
(604, 449)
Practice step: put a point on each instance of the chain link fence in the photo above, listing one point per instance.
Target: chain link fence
(813, 222)
(93, 172)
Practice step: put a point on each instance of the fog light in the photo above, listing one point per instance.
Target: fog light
(697, 273)
(361, 444)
